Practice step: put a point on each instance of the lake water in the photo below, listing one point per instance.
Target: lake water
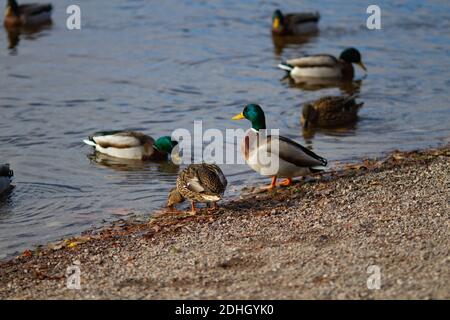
(158, 67)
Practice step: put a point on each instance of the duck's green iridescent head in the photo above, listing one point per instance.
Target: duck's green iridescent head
(277, 20)
(165, 144)
(352, 55)
(255, 114)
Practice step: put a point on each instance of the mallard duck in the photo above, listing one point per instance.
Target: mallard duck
(324, 65)
(291, 159)
(131, 145)
(294, 23)
(330, 111)
(26, 14)
(5, 177)
(199, 183)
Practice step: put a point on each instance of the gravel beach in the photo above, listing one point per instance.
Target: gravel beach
(313, 240)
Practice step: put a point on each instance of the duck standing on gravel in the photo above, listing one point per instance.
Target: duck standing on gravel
(203, 182)
(292, 24)
(330, 111)
(26, 15)
(324, 66)
(131, 145)
(294, 160)
(6, 175)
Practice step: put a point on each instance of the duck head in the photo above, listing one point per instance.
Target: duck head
(309, 114)
(352, 55)
(165, 144)
(12, 8)
(174, 198)
(277, 21)
(255, 114)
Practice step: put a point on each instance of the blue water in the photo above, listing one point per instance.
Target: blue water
(159, 66)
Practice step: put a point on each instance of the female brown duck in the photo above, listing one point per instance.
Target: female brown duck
(293, 24)
(330, 111)
(198, 183)
(26, 15)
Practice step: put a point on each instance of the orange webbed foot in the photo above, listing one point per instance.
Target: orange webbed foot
(286, 182)
(272, 185)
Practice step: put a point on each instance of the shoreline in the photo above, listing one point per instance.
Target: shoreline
(312, 240)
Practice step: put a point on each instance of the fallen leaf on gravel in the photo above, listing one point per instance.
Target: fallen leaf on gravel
(27, 253)
(72, 244)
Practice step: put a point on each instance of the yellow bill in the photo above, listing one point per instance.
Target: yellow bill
(276, 23)
(361, 64)
(239, 116)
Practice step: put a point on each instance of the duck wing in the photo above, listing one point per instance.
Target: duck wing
(318, 60)
(329, 104)
(209, 176)
(337, 103)
(295, 153)
(297, 18)
(201, 178)
(218, 172)
(121, 139)
(35, 8)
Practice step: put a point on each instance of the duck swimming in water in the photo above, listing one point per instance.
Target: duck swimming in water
(6, 175)
(292, 24)
(330, 111)
(324, 66)
(131, 145)
(26, 15)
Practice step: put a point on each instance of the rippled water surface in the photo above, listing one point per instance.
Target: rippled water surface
(157, 67)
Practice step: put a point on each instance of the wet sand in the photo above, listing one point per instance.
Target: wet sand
(313, 240)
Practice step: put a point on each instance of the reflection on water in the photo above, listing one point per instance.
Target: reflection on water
(314, 84)
(281, 42)
(339, 131)
(132, 165)
(158, 68)
(15, 34)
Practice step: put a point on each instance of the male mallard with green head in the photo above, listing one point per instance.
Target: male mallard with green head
(26, 15)
(6, 175)
(294, 23)
(330, 111)
(203, 182)
(131, 145)
(324, 65)
(294, 160)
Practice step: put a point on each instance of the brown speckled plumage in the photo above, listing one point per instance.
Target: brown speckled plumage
(27, 15)
(196, 177)
(199, 183)
(290, 24)
(330, 111)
